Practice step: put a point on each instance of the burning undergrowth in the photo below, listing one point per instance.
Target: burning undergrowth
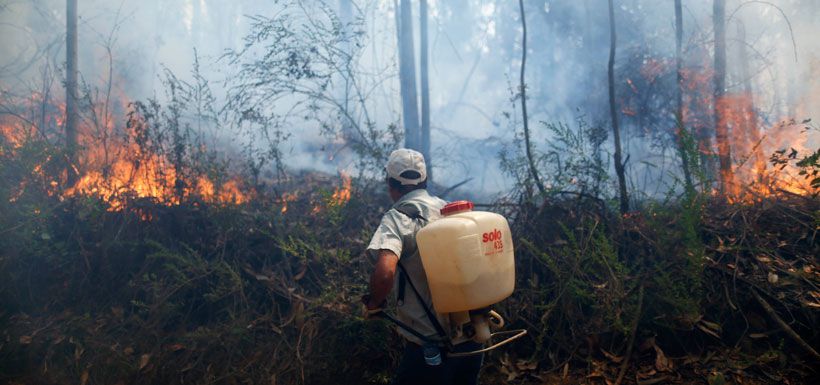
(150, 291)
(152, 258)
(764, 147)
(266, 290)
(156, 154)
(145, 271)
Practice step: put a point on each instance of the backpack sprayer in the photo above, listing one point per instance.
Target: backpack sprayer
(469, 263)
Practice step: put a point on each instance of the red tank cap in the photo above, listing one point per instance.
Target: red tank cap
(456, 207)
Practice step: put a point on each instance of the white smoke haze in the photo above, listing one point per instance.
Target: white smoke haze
(475, 58)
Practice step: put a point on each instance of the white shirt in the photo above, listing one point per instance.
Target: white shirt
(397, 232)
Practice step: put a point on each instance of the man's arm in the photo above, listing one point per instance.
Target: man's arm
(381, 281)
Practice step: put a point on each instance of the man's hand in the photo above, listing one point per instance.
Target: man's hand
(370, 310)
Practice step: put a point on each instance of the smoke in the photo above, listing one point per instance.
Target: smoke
(475, 56)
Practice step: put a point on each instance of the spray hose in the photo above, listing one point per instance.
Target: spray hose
(514, 334)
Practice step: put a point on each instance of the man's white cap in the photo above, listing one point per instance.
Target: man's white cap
(403, 160)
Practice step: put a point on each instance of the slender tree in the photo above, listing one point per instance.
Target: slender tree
(345, 18)
(681, 134)
(407, 76)
(613, 110)
(72, 114)
(523, 90)
(721, 123)
(425, 88)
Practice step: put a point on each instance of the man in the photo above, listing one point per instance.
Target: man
(398, 264)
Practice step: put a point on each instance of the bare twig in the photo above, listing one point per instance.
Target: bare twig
(786, 18)
(453, 187)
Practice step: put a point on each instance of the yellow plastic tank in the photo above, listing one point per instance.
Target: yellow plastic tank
(468, 258)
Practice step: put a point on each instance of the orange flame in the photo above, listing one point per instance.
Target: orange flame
(751, 179)
(285, 198)
(341, 195)
(751, 144)
(111, 165)
(125, 181)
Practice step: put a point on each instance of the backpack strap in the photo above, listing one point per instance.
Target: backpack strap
(414, 213)
(432, 317)
(411, 211)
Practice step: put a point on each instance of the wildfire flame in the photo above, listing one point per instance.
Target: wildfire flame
(114, 168)
(10, 135)
(285, 198)
(340, 196)
(136, 174)
(753, 177)
(154, 180)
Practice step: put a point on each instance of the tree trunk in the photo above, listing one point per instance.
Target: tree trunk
(71, 108)
(681, 134)
(425, 89)
(613, 110)
(523, 89)
(720, 104)
(407, 76)
(749, 113)
(345, 18)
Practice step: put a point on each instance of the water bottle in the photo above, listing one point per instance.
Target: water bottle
(432, 355)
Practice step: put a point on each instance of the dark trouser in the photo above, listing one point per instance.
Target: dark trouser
(452, 371)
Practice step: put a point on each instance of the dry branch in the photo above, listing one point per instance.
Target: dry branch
(789, 331)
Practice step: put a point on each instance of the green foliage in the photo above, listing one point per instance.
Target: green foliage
(589, 266)
(677, 260)
(576, 158)
(573, 162)
(585, 281)
(810, 168)
(694, 164)
(809, 165)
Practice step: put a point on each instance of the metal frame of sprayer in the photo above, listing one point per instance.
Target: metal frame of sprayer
(431, 359)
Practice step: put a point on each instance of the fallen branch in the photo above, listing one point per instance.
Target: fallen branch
(786, 328)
